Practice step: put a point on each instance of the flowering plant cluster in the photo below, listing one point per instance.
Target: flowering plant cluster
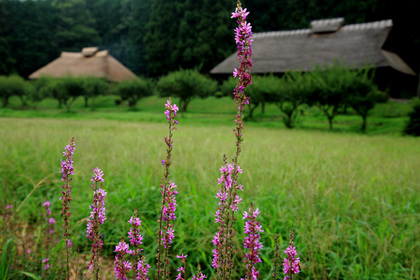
(124, 265)
(96, 219)
(131, 261)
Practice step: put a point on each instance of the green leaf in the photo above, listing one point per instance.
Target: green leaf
(4, 268)
(33, 276)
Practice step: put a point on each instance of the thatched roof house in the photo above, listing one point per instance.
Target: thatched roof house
(355, 45)
(89, 62)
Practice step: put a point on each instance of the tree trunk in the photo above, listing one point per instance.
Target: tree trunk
(5, 101)
(418, 88)
(185, 105)
(330, 119)
(60, 103)
(68, 106)
(251, 110)
(364, 124)
(86, 101)
(22, 99)
(263, 107)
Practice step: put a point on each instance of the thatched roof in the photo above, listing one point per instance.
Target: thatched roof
(89, 62)
(356, 45)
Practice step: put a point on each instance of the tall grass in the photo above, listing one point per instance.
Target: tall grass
(352, 200)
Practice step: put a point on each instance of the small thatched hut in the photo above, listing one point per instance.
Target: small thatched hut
(90, 62)
(356, 45)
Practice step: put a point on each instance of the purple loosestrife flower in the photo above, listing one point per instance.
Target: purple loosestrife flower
(134, 233)
(182, 268)
(122, 266)
(291, 263)
(96, 219)
(50, 220)
(168, 191)
(199, 275)
(45, 261)
(142, 269)
(67, 171)
(252, 242)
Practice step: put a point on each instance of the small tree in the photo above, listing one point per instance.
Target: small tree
(93, 87)
(186, 84)
(289, 93)
(259, 91)
(413, 125)
(134, 90)
(362, 94)
(65, 90)
(329, 86)
(13, 85)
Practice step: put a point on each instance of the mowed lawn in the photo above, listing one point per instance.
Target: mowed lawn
(353, 200)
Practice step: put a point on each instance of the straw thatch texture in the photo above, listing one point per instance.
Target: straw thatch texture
(89, 62)
(355, 45)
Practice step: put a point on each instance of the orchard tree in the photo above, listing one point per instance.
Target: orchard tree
(134, 90)
(186, 84)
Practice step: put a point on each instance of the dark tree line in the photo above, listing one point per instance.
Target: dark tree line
(155, 37)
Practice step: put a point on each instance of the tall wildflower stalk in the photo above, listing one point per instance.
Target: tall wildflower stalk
(252, 242)
(168, 191)
(67, 171)
(224, 251)
(49, 230)
(96, 219)
(276, 257)
(291, 263)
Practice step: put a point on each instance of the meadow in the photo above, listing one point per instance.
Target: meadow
(352, 199)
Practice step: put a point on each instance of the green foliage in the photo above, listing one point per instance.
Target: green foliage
(134, 90)
(75, 25)
(226, 88)
(13, 86)
(336, 86)
(93, 87)
(261, 90)
(64, 90)
(289, 93)
(186, 84)
(4, 266)
(362, 93)
(413, 125)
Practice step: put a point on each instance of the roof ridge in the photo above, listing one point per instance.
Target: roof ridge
(349, 27)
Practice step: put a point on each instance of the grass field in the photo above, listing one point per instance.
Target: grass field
(352, 199)
(385, 118)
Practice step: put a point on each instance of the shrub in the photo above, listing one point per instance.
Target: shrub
(186, 84)
(413, 125)
(134, 90)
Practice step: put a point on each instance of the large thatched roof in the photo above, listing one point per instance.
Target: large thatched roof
(355, 45)
(89, 62)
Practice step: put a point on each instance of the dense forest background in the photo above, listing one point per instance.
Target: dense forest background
(154, 37)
